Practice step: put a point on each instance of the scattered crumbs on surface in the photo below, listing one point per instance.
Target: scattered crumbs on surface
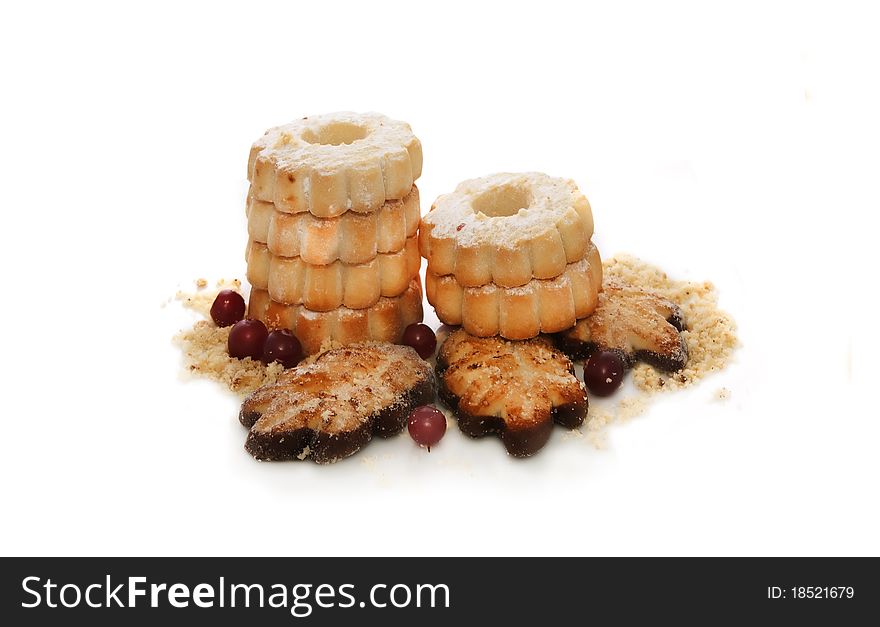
(597, 419)
(204, 352)
(573, 434)
(201, 300)
(204, 345)
(611, 411)
(631, 407)
(599, 439)
(711, 339)
(710, 334)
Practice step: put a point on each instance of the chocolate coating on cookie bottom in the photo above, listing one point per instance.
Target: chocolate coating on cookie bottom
(521, 441)
(324, 447)
(671, 362)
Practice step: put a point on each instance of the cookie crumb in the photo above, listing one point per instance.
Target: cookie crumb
(201, 283)
(631, 407)
(599, 439)
(722, 394)
(572, 434)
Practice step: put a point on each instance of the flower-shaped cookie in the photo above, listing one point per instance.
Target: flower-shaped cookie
(636, 323)
(330, 409)
(516, 390)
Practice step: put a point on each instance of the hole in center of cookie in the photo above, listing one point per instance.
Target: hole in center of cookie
(335, 134)
(502, 201)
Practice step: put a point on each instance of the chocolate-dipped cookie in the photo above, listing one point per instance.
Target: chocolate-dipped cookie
(329, 409)
(638, 324)
(515, 389)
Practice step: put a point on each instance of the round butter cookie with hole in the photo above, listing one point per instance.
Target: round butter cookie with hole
(507, 229)
(350, 238)
(292, 281)
(522, 312)
(333, 163)
(384, 321)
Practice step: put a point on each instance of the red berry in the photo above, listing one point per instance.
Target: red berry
(426, 425)
(422, 338)
(246, 339)
(282, 346)
(228, 308)
(603, 372)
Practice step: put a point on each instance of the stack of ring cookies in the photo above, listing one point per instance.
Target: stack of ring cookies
(333, 213)
(511, 255)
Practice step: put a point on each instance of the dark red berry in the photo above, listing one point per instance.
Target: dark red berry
(246, 339)
(426, 425)
(422, 338)
(603, 372)
(228, 308)
(282, 346)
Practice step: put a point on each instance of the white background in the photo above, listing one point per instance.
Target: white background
(734, 143)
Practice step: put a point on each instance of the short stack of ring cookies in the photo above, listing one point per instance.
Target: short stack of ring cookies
(333, 213)
(511, 255)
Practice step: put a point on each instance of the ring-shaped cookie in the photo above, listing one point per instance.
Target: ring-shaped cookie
(383, 322)
(292, 281)
(349, 238)
(507, 229)
(519, 313)
(333, 163)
